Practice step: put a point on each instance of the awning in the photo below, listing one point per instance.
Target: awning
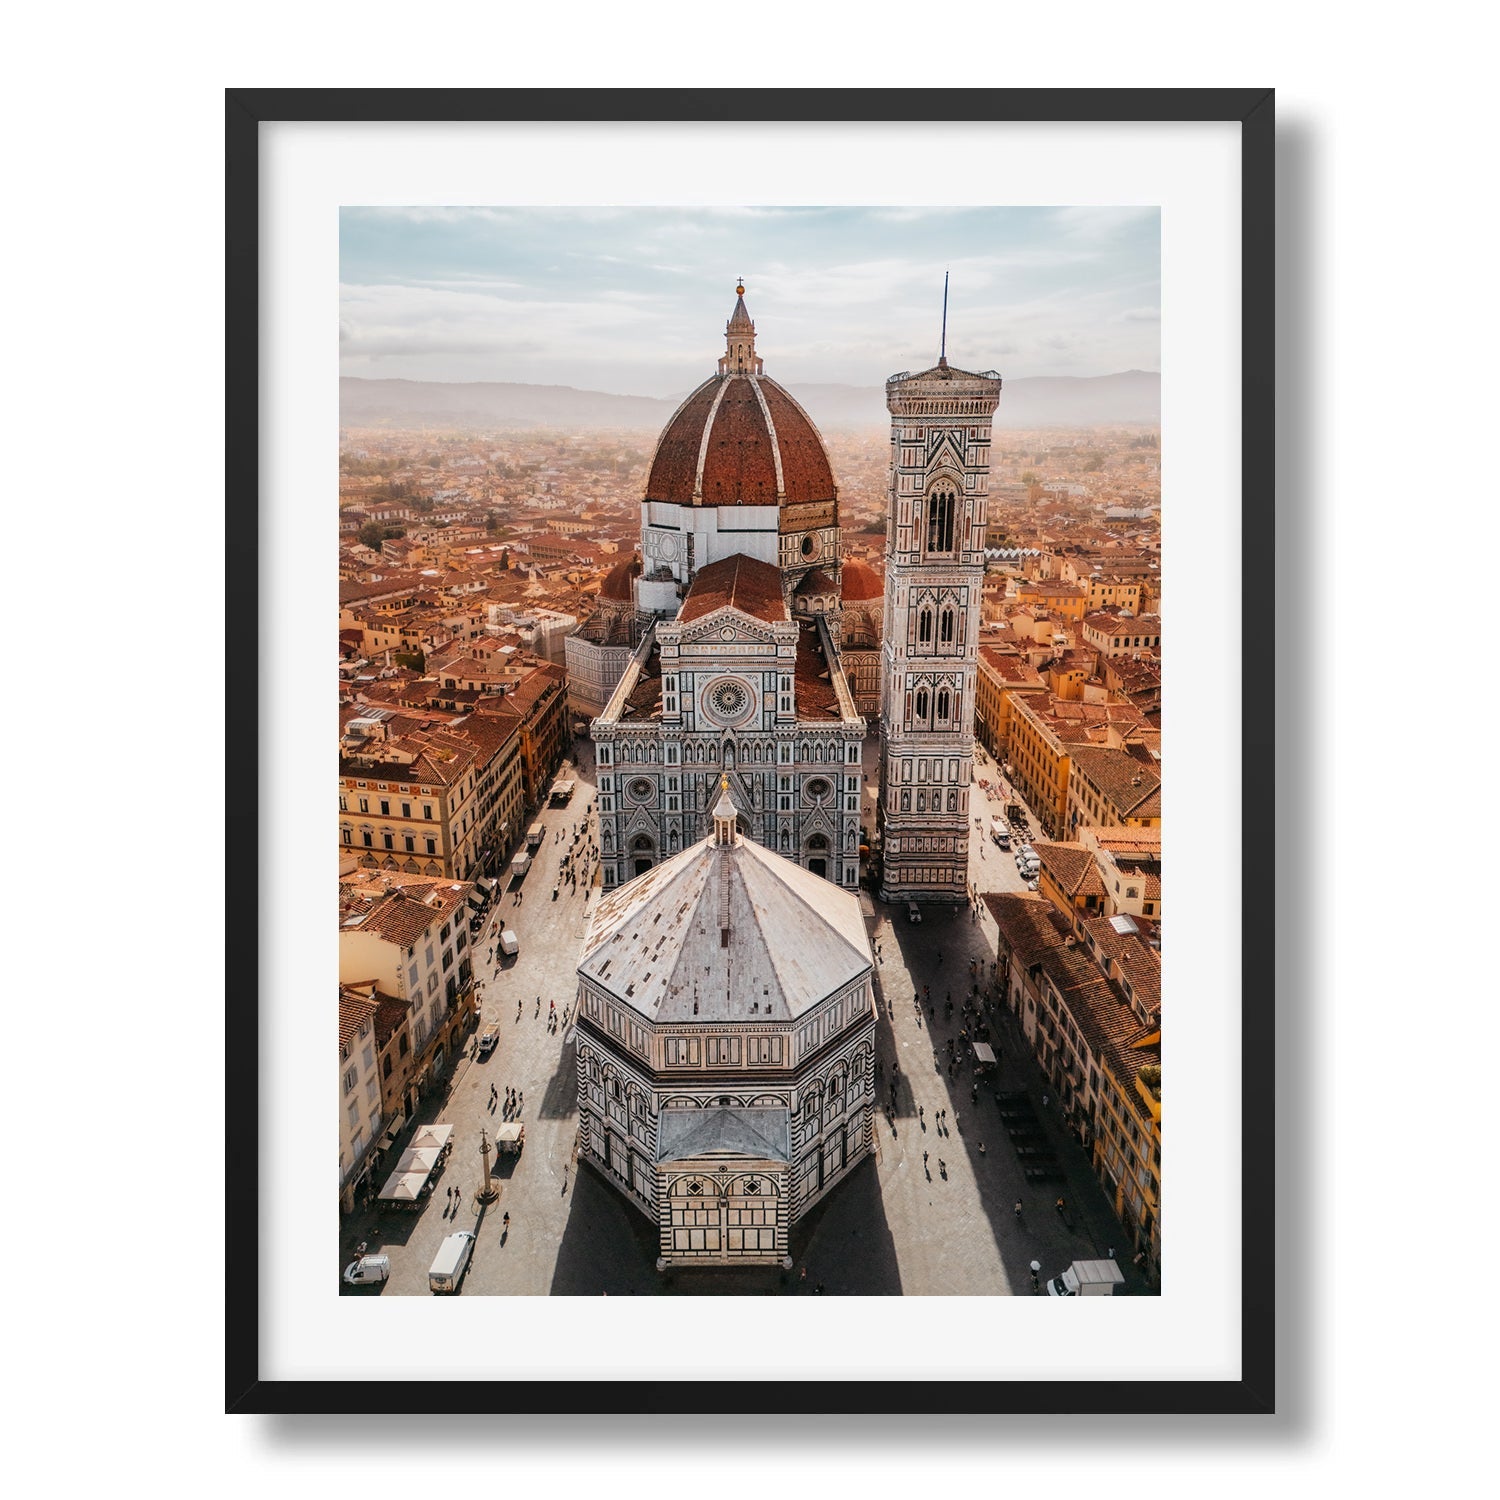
(983, 1052)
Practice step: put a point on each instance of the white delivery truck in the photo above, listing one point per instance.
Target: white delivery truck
(1087, 1278)
(447, 1267)
(999, 832)
(520, 865)
(510, 944)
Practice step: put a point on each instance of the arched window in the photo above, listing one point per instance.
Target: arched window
(642, 842)
(942, 703)
(922, 704)
(924, 627)
(940, 521)
(817, 841)
(945, 628)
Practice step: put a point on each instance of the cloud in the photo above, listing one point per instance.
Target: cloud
(634, 300)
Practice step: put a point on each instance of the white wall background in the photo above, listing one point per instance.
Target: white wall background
(1387, 328)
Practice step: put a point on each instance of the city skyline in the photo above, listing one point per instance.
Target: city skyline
(615, 299)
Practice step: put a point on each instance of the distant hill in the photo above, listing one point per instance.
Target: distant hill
(491, 403)
(1037, 401)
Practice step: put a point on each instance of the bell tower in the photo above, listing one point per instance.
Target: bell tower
(934, 574)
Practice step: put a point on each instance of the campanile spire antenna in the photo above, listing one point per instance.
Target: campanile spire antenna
(943, 349)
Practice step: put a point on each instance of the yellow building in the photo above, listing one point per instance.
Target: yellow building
(410, 940)
(1109, 788)
(1044, 733)
(1037, 761)
(1001, 674)
(1110, 591)
(1070, 601)
(433, 801)
(1087, 996)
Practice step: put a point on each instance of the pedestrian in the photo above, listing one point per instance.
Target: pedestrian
(1018, 1208)
(1110, 1252)
(820, 1289)
(1060, 1206)
(803, 1277)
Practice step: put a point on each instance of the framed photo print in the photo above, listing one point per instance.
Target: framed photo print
(746, 531)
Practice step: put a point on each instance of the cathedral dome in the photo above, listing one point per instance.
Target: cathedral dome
(860, 581)
(740, 438)
(617, 581)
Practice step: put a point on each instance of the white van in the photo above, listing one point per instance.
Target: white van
(510, 944)
(447, 1267)
(999, 832)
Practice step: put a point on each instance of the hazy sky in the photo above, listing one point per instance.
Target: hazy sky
(634, 300)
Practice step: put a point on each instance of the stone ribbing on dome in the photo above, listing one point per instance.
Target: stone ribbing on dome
(738, 467)
(740, 440)
(674, 466)
(658, 945)
(804, 463)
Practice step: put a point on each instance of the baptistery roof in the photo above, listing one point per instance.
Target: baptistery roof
(725, 931)
(740, 438)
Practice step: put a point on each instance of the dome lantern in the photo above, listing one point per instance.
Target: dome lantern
(740, 357)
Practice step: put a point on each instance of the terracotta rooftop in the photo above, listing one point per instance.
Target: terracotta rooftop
(1128, 782)
(354, 1010)
(861, 582)
(737, 582)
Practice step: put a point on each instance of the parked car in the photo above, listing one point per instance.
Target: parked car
(913, 912)
(1033, 884)
(367, 1270)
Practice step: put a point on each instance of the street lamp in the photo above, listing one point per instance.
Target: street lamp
(489, 1192)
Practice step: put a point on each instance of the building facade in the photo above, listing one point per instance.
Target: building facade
(736, 689)
(726, 1029)
(738, 671)
(934, 578)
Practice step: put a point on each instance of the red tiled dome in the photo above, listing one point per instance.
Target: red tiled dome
(861, 582)
(738, 465)
(616, 583)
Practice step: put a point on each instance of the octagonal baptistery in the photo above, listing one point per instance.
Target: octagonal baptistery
(726, 1034)
(740, 467)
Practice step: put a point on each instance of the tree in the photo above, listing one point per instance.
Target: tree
(505, 558)
(415, 661)
(371, 534)
(491, 521)
(1029, 477)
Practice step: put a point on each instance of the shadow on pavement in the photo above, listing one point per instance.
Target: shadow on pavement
(610, 1248)
(560, 1098)
(1088, 1227)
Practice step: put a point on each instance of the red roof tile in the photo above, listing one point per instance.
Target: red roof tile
(738, 581)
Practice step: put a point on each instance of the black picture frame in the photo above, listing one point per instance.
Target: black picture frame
(245, 111)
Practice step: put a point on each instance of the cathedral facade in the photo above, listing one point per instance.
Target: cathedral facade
(934, 575)
(738, 673)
